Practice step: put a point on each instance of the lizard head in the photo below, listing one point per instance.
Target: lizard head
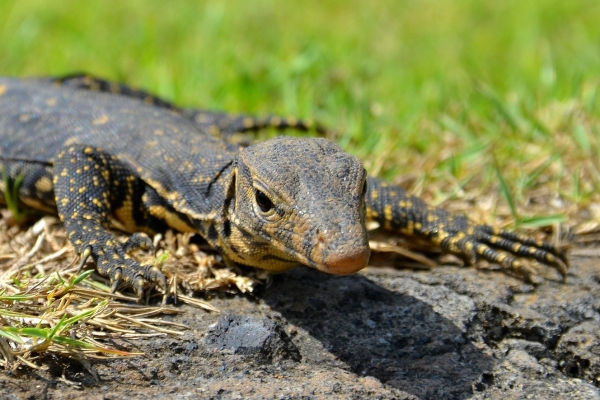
(299, 201)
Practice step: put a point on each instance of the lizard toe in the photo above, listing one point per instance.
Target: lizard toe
(138, 241)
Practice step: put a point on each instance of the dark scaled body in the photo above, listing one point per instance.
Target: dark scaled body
(95, 151)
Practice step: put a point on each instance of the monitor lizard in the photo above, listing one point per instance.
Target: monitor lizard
(93, 151)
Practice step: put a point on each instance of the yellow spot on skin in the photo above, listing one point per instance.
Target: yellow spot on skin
(44, 184)
(51, 102)
(159, 132)
(24, 117)
(2, 89)
(374, 194)
(101, 120)
(82, 189)
(387, 212)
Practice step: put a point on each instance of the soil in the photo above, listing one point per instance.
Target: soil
(448, 332)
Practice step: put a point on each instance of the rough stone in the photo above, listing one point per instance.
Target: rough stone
(450, 332)
(259, 337)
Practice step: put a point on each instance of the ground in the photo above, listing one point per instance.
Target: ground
(448, 332)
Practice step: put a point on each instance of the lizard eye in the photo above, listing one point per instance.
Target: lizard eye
(264, 203)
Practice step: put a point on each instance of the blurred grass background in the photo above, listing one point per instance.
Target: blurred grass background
(459, 99)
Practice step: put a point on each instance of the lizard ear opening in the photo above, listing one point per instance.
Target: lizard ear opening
(231, 190)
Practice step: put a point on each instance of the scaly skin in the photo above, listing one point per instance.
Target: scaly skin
(218, 123)
(94, 156)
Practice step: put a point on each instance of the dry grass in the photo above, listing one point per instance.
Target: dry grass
(49, 307)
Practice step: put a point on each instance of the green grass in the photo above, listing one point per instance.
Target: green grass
(444, 91)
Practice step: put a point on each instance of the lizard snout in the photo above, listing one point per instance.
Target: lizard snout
(346, 259)
(348, 262)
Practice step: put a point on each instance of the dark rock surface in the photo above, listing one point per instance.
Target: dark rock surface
(262, 338)
(452, 333)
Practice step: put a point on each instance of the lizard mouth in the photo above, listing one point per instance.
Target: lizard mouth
(344, 260)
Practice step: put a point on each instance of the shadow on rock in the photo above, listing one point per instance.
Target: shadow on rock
(393, 337)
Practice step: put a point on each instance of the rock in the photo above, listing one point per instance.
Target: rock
(579, 351)
(450, 332)
(262, 338)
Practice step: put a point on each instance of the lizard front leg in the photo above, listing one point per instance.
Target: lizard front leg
(409, 215)
(90, 187)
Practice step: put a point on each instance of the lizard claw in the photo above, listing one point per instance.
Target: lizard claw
(504, 248)
(84, 256)
(113, 262)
